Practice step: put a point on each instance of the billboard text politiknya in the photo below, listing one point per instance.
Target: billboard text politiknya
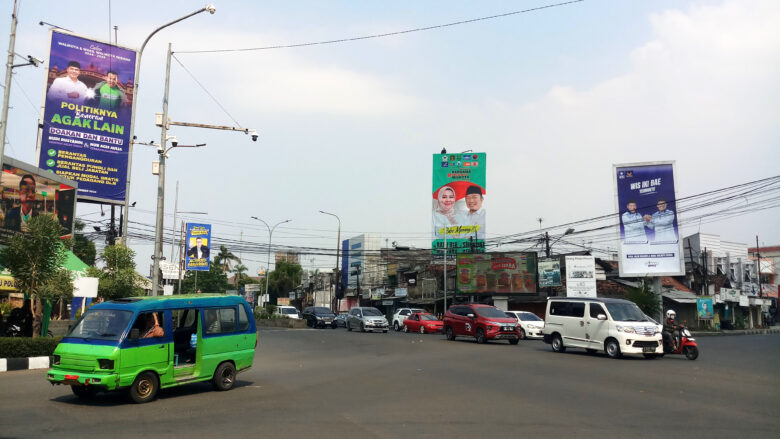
(87, 114)
(649, 232)
(459, 188)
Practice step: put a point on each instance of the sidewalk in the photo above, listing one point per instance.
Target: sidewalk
(772, 330)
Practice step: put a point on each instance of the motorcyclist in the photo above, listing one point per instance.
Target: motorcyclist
(671, 333)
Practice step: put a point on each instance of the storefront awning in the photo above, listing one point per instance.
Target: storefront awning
(679, 296)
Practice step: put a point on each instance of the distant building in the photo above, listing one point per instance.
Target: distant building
(293, 258)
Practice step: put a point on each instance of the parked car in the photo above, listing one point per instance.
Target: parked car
(422, 322)
(483, 322)
(529, 324)
(287, 311)
(366, 318)
(319, 317)
(341, 320)
(615, 326)
(401, 314)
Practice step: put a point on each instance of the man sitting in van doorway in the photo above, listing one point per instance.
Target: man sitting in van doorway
(671, 332)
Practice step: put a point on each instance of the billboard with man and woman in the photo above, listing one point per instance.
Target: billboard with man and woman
(458, 203)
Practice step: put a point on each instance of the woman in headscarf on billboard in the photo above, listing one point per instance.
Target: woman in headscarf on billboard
(444, 213)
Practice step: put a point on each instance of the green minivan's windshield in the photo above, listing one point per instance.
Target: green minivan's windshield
(626, 312)
(101, 324)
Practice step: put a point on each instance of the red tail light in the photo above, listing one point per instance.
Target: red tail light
(71, 377)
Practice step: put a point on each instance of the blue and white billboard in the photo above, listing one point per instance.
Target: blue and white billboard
(86, 116)
(649, 238)
(198, 247)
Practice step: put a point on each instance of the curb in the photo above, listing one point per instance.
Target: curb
(9, 364)
(736, 332)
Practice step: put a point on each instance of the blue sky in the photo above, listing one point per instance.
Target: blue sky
(554, 98)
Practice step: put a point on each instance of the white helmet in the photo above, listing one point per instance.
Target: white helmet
(671, 315)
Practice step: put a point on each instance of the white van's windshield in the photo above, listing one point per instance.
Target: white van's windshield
(101, 324)
(626, 312)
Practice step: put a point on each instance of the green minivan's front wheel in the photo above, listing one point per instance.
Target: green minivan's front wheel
(144, 388)
(224, 377)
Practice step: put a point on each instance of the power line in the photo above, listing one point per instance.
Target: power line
(387, 34)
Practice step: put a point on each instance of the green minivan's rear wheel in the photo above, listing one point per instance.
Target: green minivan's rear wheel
(224, 377)
(144, 388)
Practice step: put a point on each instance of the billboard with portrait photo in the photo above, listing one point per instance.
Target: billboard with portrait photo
(648, 232)
(28, 191)
(198, 247)
(87, 108)
(458, 203)
(704, 308)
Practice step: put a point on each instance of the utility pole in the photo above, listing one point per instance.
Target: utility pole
(158, 229)
(758, 268)
(7, 92)
(546, 243)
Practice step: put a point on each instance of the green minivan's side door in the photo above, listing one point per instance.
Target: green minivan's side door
(152, 351)
(223, 340)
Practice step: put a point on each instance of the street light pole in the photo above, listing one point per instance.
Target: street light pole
(270, 236)
(211, 9)
(7, 92)
(338, 252)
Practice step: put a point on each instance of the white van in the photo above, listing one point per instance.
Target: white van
(287, 311)
(614, 326)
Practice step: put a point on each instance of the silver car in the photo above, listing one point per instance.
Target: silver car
(366, 318)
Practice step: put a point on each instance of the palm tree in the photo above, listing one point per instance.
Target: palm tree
(239, 271)
(224, 258)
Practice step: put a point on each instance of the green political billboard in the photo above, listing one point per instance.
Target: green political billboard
(458, 196)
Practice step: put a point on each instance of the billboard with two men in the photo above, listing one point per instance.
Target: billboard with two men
(87, 114)
(458, 202)
(649, 239)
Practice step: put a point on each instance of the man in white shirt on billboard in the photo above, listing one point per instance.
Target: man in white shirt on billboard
(663, 223)
(69, 88)
(475, 216)
(633, 225)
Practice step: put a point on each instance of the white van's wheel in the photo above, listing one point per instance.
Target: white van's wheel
(612, 348)
(557, 344)
(224, 377)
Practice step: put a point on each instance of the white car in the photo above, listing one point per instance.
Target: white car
(287, 311)
(531, 325)
(401, 314)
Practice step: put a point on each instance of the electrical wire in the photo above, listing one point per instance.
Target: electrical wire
(386, 34)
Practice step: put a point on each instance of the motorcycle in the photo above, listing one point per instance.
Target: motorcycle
(687, 345)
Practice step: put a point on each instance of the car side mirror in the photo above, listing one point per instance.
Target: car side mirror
(135, 334)
(601, 317)
(470, 316)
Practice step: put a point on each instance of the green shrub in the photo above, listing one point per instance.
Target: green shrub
(20, 347)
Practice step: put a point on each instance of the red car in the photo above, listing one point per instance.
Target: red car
(422, 322)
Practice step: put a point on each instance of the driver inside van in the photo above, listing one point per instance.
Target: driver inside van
(153, 328)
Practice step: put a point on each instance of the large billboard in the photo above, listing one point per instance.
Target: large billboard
(505, 273)
(27, 191)
(549, 272)
(198, 247)
(580, 276)
(649, 239)
(459, 188)
(86, 116)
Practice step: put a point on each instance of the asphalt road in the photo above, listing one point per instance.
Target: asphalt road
(338, 384)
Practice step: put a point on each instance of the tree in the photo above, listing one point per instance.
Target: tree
(225, 258)
(33, 258)
(239, 273)
(212, 281)
(58, 288)
(83, 248)
(644, 298)
(118, 277)
(285, 278)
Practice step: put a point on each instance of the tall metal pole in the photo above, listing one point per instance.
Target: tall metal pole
(7, 92)
(758, 268)
(161, 182)
(338, 252)
(173, 225)
(211, 10)
(270, 236)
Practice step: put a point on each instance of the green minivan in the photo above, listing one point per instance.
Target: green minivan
(143, 344)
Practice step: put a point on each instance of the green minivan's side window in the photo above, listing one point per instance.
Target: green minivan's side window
(243, 319)
(220, 321)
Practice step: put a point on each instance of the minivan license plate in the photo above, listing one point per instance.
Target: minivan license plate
(648, 350)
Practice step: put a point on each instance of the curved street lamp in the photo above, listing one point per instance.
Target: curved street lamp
(338, 253)
(270, 235)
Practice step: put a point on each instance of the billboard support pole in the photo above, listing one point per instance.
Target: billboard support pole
(445, 270)
(211, 10)
(7, 92)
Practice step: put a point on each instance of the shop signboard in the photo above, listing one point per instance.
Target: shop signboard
(648, 233)
(580, 276)
(505, 273)
(458, 203)
(730, 294)
(87, 109)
